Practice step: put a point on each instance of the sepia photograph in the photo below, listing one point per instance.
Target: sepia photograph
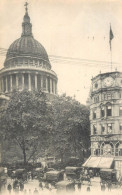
(60, 97)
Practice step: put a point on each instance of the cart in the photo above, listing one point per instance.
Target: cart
(54, 176)
(73, 172)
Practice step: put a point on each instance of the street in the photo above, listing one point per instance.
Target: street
(31, 185)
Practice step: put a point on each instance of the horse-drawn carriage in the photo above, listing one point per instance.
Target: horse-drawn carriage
(54, 176)
(73, 172)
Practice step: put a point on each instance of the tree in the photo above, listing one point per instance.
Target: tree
(28, 121)
(72, 127)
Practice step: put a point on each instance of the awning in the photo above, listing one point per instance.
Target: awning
(98, 162)
(105, 162)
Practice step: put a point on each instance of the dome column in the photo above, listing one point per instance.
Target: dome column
(2, 85)
(35, 81)
(41, 82)
(11, 83)
(50, 85)
(29, 82)
(17, 81)
(46, 84)
(6, 84)
(23, 82)
(54, 87)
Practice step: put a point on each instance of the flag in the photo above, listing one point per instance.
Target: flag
(111, 36)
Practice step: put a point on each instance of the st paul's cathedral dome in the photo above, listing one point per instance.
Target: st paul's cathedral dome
(27, 65)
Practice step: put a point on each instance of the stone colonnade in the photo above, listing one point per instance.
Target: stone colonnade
(28, 81)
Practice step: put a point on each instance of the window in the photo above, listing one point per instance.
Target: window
(105, 97)
(36, 62)
(94, 114)
(109, 110)
(120, 95)
(120, 127)
(96, 85)
(109, 128)
(120, 111)
(94, 130)
(26, 61)
(96, 99)
(21, 61)
(102, 112)
(31, 61)
(120, 150)
(102, 129)
(108, 96)
(16, 61)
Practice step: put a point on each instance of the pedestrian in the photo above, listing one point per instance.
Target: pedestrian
(15, 184)
(50, 186)
(40, 185)
(88, 189)
(109, 186)
(102, 187)
(79, 185)
(35, 191)
(47, 185)
(21, 186)
(9, 187)
(89, 179)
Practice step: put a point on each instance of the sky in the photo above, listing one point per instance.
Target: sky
(69, 28)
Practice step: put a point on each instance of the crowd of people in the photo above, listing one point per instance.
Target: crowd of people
(21, 186)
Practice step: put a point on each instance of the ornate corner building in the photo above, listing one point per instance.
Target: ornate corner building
(27, 65)
(106, 122)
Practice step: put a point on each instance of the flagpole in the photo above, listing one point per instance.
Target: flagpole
(111, 58)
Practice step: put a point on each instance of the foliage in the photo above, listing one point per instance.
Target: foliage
(28, 121)
(57, 128)
(71, 129)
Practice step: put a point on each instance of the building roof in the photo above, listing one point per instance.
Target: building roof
(27, 45)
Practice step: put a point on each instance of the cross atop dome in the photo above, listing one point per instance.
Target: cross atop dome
(26, 6)
(26, 25)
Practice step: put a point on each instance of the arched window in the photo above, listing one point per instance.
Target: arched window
(102, 145)
(107, 149)
(116, 149)
(102, 111)
(96, 149)
(109, 110)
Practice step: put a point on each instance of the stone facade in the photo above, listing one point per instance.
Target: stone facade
(106, 117)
